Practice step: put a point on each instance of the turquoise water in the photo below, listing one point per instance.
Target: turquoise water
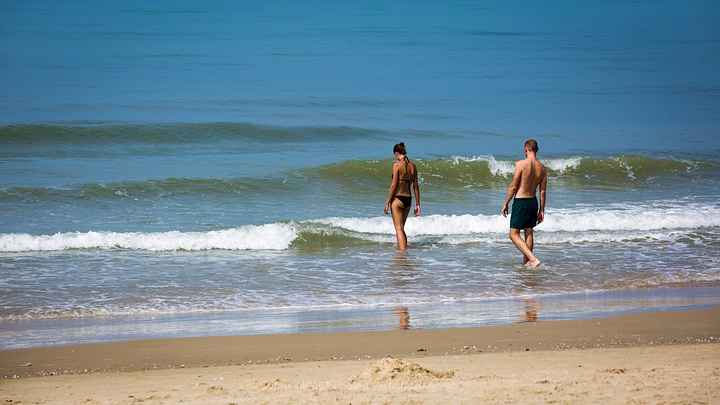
(207, 162)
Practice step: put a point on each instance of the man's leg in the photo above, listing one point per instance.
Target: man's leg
(528, 242)
(520, 244)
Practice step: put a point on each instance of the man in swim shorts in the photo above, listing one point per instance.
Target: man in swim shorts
(526, 212)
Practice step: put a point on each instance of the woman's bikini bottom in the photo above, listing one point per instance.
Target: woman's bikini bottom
(405, 199)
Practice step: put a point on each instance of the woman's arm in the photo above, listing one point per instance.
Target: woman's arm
(417, 193)
(393, 186)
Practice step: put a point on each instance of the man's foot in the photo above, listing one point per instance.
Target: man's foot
(535, 263)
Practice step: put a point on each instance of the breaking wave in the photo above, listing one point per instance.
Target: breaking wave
(614, 224)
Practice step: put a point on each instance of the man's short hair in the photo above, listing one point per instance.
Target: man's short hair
(531, 144)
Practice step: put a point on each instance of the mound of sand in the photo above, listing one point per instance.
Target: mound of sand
(398, 371)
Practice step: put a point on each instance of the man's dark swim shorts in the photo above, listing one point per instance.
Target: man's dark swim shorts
(524, 213)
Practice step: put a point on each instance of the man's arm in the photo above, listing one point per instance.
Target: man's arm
(512, 190)
(543, 188)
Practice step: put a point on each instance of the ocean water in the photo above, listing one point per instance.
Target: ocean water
(190, 169)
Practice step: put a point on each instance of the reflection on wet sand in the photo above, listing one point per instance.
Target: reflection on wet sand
(532, 307)
(529, 281)
(401, 268)
(404, 315)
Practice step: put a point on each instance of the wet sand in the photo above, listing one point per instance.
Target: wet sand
(647, 358)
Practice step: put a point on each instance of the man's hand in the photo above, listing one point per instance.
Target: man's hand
(541, 217)
(417, 210)
(505, 210)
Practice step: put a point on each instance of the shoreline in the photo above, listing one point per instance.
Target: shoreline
(635, 330)
(460, 314)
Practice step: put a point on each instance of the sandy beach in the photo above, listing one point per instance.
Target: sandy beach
(659, 357)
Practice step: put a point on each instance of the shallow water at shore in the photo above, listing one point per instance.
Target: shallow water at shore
(461, 314)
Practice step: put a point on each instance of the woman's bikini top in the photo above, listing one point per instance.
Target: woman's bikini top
(406, 161)
(408, 180)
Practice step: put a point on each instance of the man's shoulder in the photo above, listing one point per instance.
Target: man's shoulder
(534, 162)
(543, 169)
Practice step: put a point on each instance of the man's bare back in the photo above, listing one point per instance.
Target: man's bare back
(530, 175)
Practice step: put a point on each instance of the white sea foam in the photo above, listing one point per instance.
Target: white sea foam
(430, 225)
(564, 237)
(582, 224)
(632, 219)
(622, 162)
(275, 236)
(580, 220)
(561, 165)
(497, 167)
(507, 168)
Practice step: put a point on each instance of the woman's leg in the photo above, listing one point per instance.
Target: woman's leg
(399, 216)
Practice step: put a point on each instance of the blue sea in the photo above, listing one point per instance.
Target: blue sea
(185, 168)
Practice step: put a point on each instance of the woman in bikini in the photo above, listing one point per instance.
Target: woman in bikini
(399, 199)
